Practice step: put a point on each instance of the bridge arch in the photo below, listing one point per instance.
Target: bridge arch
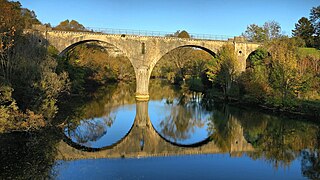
(193, 50)
(259, 54)
(208, 50)
(211, 51)
(110, 48)
(75, 43)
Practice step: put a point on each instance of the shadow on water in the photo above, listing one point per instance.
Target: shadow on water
(29, 155)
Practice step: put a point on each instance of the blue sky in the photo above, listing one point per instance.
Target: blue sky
(223, 17)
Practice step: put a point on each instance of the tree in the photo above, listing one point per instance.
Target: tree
(254, 81)
(182, 63)
(225, 68)
(315, 19)
(29, 18)
(305, 30)
(12, 15)
(283, 72)
(270, 30)
(183, 34)
(27, 73)
(173, 65)
(255, 33)
(70, 26)
(180, 34)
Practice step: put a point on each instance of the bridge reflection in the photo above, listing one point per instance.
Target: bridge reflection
(143, 140)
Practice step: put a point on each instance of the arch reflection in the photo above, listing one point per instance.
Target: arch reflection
(164, 124)
(102, 122)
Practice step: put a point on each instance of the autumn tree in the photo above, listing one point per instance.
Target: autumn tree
(173, 65)
(12, 15)
(254, 81)
(183, 34)
(283, 72)
(96, 63)
(309, 73)
(180, 34)
(27, 73)
(224, 69)
(181, 64)
(72, 25)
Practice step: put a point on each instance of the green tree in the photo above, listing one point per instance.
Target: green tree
(257, 58)
(315, 19)
(255, 33)
(305, 30)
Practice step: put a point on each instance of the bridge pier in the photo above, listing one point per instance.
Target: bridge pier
(142, 84)
(142, 115)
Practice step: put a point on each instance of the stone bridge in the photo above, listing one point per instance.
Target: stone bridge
(143, 51)
(143, 141)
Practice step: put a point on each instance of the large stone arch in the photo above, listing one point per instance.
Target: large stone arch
(75, 43)
(159, 57)
(66, 41)
(212, 50)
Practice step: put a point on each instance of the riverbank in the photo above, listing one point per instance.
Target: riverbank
(302, 109)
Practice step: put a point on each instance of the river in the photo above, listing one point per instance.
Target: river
(175, 135)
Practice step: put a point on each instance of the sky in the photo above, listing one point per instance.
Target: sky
(216, 17)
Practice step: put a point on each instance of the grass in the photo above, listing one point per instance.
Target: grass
(309, 51)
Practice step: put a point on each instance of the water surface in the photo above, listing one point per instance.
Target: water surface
(176, 135)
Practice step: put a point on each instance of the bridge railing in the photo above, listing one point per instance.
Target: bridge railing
(155, 33)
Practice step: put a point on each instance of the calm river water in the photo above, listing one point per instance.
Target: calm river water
(176, 135)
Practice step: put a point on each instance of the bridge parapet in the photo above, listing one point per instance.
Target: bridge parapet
(132, 32)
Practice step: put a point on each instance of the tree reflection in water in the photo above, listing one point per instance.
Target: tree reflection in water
(185, 116)
(91, 129)
(29, 155)
(90, 122)
(276, 140)
(310, 164)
